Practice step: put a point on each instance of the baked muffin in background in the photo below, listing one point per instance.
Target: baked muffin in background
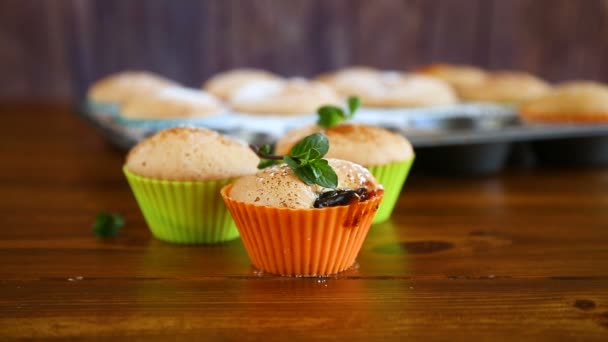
(295, 96)
(512, 87)
(583, 102)
(349, 81)
(172, 103)
(176, 176)
(455, 74)
(387, 155)
(224, 84)
(390, 89)
(286, 231)
(110, 92)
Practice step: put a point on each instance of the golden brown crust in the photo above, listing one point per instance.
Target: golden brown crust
(172, 103)
(290, 97)
(191, 154)
(570, 102)
(120, 87)
(506, 86)
(362, 144)
(390, 88)
(456, 75)
(278, 186)
(224, 84)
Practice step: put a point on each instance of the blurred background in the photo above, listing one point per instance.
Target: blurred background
(52, 50)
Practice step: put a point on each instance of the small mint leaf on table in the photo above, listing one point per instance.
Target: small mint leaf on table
(107, 224)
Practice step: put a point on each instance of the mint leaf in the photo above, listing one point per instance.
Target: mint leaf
(314, 146)
(306, 174)
(266, 159)
(107, 224)
(330, 116)
(325, 176)
(353, 105)
(293, 162)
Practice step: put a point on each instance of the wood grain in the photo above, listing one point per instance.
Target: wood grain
(521, 255)
(55, 49)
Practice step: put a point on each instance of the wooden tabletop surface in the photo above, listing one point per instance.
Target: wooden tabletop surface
(522, 254)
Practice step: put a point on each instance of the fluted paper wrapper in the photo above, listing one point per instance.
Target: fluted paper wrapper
(392, 177)
(302, 242)
(183, 211)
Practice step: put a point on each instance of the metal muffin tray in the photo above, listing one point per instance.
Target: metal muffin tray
(465, 139)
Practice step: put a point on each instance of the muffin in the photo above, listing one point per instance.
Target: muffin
(286, 97)
(457, 76)
(176, 176)
(224, 84)
(387, 155)
(583, 102)
(289, 228)
(108, 94)
(390, 89)
(172, 103)
(505, 86)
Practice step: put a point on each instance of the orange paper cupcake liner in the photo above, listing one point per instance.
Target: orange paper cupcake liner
(302, 242)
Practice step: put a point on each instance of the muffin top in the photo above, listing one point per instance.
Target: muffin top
(362, 144)
(224, 84)
(349, 81)
(278, 186)
(122, 86)
(171, 103)
(191, 154)
(505, 86)
(291, 97)
(456, 75)
(570, 100)
(391, 88)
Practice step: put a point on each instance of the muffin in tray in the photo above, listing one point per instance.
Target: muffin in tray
(387, 155)
(224, 84)
(508, 87)
(176, 176)
(106, 96)
(577, 102)
(292, 228)
(457, 76)
(290, 97)
(390, 89)
(169, 107)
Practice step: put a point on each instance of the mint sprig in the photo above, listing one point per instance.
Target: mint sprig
(305, 159)
(107, 224)
(330, 116)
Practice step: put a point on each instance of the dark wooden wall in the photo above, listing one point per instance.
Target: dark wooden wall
(54, 48)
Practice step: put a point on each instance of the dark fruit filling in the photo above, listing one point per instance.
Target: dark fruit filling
(335, 198)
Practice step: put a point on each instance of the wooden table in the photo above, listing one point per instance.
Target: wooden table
(523, 254)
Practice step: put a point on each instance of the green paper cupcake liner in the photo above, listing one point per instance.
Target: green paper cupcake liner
(392, 177)
(187, 212)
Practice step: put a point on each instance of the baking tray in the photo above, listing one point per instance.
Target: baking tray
(463, 139)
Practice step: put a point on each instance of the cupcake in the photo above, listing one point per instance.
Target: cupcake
(292, 228)
(574, 102)
(505, 86)
(390, 89)
(224, 84)
(457, 76)
(282, 97)
(176, 176)
(387, 155)
(106, 96)
(172, 103)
